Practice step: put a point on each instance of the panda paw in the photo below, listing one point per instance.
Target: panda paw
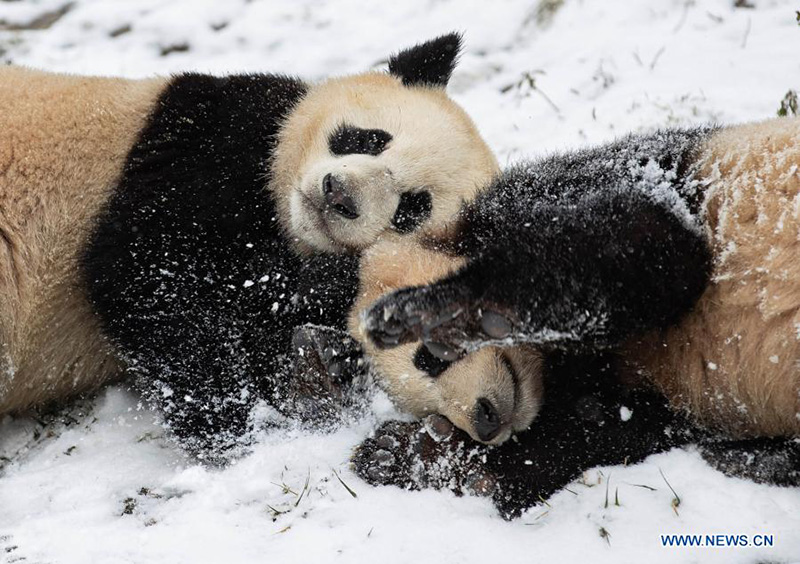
(428, 454)
(444, 316)
(328, 368)
(335, 358)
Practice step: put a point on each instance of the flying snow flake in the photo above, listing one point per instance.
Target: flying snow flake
(248, 283)
(625, 413)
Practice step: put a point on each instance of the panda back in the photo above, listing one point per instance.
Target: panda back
(733, 360)
(63, 144)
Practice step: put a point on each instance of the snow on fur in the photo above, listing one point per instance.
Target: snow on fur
(99, 483)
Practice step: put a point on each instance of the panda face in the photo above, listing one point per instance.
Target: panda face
(365, 156)
(490, 393)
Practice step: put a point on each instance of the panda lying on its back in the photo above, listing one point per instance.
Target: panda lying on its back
(669, 258)
(187, 226)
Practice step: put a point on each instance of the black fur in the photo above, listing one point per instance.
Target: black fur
(576, 251)
(427, 64)
(766, 460)
(188, 268)
(580, 427)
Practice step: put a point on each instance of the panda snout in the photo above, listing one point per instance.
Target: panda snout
(487, 420)
(337, 199)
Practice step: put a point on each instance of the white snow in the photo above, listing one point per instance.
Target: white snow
(108, 489)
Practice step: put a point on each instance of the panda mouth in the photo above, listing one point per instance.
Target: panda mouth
(318, 218)
(321, 224)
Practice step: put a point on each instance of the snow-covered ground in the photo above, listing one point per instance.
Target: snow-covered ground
(102, 485)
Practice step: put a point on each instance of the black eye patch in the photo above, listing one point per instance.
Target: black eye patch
(350, 140)
(429, 364)
(413, 209)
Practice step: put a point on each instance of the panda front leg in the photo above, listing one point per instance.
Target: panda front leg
(580, 277)
(204, 393)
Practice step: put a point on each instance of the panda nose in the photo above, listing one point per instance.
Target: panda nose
(337, 199)
(487, 420)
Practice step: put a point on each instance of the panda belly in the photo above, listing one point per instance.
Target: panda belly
(63, 142)
(734, 361)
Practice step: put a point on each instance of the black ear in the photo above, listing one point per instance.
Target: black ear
(427, 64)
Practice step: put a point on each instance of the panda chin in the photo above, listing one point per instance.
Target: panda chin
(504, 435)
(308, 224)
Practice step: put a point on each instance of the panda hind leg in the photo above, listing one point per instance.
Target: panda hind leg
(763, 460)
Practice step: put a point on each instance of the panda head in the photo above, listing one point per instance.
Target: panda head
(379, 153)
(490, 393)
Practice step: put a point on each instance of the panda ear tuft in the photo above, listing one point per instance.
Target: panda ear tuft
(427, 64)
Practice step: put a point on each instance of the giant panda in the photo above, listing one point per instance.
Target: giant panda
(666, 260)
(180, 229)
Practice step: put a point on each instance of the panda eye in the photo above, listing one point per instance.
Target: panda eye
(413, 209)
(350, 140)
(429, 364)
